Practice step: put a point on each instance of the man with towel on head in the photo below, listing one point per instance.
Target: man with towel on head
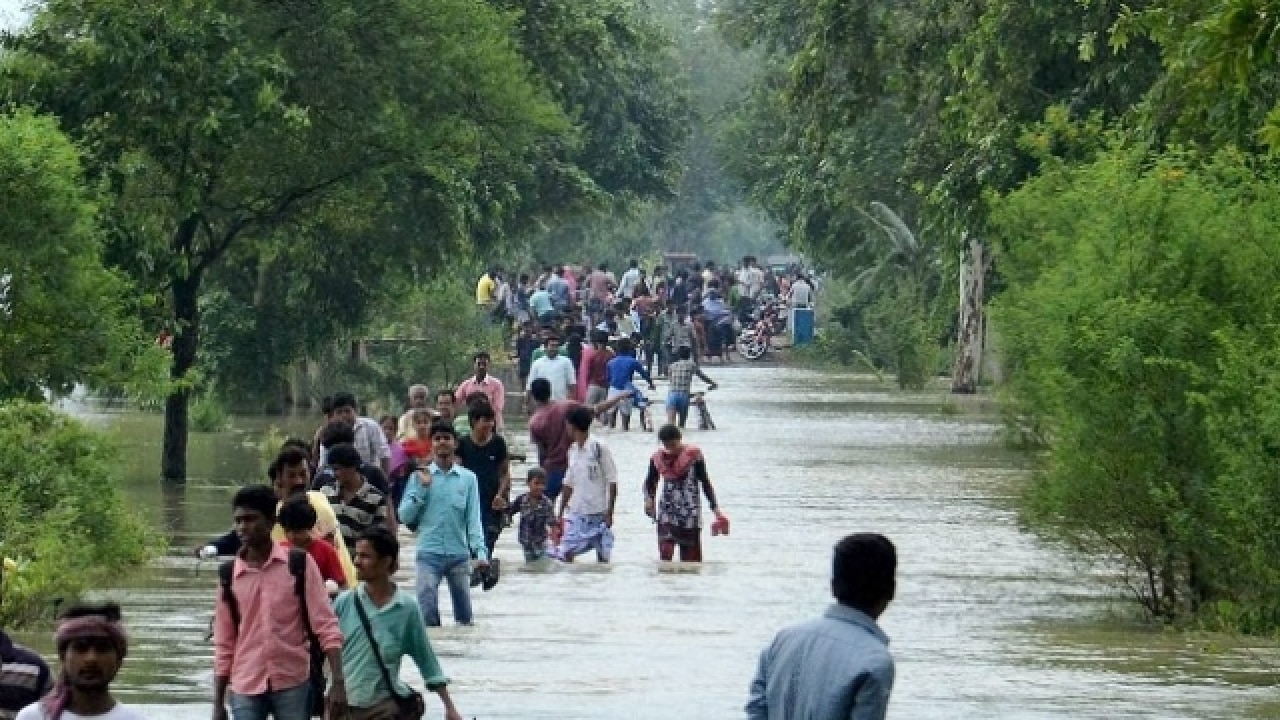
(91, 646)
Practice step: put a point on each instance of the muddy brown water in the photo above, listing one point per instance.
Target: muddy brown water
(988, 623)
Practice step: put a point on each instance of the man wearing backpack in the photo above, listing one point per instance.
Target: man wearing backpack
(271, 614)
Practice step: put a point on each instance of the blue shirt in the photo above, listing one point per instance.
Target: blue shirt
(540, 303)
(621, 368)
(399, 630)
(559, 289)
(834, 668)
(716, 310)
(447, 512)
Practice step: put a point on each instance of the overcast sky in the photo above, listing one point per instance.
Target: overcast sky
(11, 12)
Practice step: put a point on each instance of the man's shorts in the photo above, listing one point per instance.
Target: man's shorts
(678, 401)
(596, 394)
(623, 407)
(583, 533)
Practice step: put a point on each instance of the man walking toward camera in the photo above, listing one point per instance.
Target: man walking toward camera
(442, 501)
(262, 622)
(837, 667)
(91, 644)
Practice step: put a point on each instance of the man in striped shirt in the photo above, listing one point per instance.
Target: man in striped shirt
(24, 678)
(357, 503)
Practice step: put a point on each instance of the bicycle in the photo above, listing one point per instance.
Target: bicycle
(699, 401)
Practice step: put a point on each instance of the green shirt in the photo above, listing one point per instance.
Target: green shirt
(400, 631)
(462, 426)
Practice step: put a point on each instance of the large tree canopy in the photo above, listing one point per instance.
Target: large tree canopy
(62, 313)
(218, 123)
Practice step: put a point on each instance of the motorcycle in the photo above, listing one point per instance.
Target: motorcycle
(755, 340)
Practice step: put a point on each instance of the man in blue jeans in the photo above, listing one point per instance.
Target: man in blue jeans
(442, 503)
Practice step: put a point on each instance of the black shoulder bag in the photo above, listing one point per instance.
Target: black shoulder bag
(408, 707)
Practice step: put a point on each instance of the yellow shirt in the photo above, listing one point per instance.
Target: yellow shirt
(485, 289)
(326, 525)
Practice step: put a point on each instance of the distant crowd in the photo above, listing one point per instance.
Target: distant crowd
(308, 621)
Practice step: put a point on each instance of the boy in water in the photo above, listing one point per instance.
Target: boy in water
(537, 516)
(590, 492)
(681, 374)
(297, 518)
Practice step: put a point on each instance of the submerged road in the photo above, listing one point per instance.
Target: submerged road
(988, 622)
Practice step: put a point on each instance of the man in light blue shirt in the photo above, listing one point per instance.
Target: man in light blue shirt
(837, 667)
(558, 287)
(442, 504)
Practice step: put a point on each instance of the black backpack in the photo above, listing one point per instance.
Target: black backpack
(298, 569)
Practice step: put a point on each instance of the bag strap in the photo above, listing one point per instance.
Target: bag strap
(225, 572)
(373, 642)
(298, 569)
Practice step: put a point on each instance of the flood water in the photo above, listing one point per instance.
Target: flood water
(988, 622)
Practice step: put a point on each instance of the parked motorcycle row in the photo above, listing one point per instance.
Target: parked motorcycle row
(767, 320)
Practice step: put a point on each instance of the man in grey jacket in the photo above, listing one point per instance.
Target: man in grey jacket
(839, 666)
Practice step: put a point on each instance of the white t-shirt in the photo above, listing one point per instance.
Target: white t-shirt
(629, 280)
(558, 371)
(591, 472)
(801, 294)
(119, 712)
(752, 281)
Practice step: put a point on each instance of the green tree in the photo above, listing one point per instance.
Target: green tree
(218, 123)
(1139, 323)
(63, 315)
(64, 522)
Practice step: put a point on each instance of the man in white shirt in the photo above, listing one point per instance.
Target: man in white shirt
(627, 287)
(555, 369)
(590, 492)
(369, 440)
(801, 293)
(751, 278)
(92, 645)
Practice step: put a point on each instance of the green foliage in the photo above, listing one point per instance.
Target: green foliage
(64, 520)
(209, 414)
(63, 316)
(226, 132)
(426, 334)
(1139, 324)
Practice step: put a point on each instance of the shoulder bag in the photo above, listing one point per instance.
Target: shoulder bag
(408, 707)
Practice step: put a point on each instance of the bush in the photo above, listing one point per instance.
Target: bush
(63, 521)
(1140, 331)
(209, 414)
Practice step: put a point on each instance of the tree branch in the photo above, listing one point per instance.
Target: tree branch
(275, 213)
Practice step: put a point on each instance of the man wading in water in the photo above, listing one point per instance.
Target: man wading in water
(91, 645)
(262, 621)
(683, 472)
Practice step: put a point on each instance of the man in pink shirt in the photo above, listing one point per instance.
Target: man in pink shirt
(485, 383)
(260, 636)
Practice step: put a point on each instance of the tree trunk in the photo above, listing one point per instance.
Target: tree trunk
(967, 372)
(186, 340)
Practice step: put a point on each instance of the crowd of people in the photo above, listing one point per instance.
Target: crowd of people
(658, 311)
(276, 631)
(308, 620)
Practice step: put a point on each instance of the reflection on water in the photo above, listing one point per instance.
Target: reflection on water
(988, 623)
